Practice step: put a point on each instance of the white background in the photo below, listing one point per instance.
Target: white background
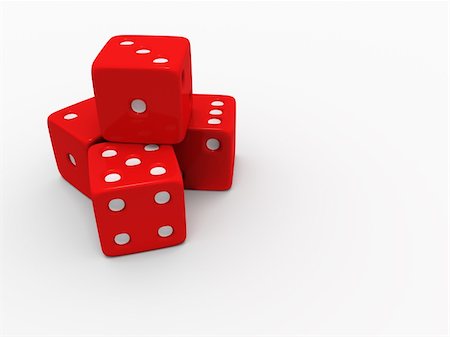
(337, 223)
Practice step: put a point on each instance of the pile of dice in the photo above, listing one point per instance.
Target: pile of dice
(141, 140)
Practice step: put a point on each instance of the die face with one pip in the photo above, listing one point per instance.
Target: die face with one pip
(143, 88)
(72, 131)
(138, 197)
(206, 155)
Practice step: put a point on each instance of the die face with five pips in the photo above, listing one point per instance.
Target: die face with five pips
(138, 197)
(143, 87)
(143, 139)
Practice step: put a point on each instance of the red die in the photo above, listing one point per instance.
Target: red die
(72, 131)
(143, 87)
(138, 197)
(206, 155)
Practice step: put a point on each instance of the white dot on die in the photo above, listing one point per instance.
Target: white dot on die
(215, 112)
(160, 60)
(165, 231)
(122, 239)
(126, 43)
(116, 205)
(151, 147)
(214, 121)
(109, 153)
(212, 144)
(157, 171)
(217, 103)
(138, 106)
(70, 116)
(133, 162)
(72, 159)
(112, 177)
(142, 51)
(162, 197)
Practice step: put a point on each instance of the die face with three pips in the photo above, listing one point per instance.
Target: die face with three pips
(143, 87)
(206, 155)
(143, 139)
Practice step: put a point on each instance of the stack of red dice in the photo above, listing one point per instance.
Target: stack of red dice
(141, 140)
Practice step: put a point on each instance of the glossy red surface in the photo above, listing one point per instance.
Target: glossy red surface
(142, 216)
(72, 136)
(122, 73)
(204, 168)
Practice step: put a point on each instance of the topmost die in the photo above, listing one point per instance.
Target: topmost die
(143, 88)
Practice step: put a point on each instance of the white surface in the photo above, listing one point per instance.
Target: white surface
(337, 220)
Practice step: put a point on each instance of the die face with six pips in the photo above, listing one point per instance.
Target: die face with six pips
(143, 139)
(138, 197)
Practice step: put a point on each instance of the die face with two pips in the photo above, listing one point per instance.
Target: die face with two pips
(138, 197)
(143, 87)
(206, 155)
(72, 131)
